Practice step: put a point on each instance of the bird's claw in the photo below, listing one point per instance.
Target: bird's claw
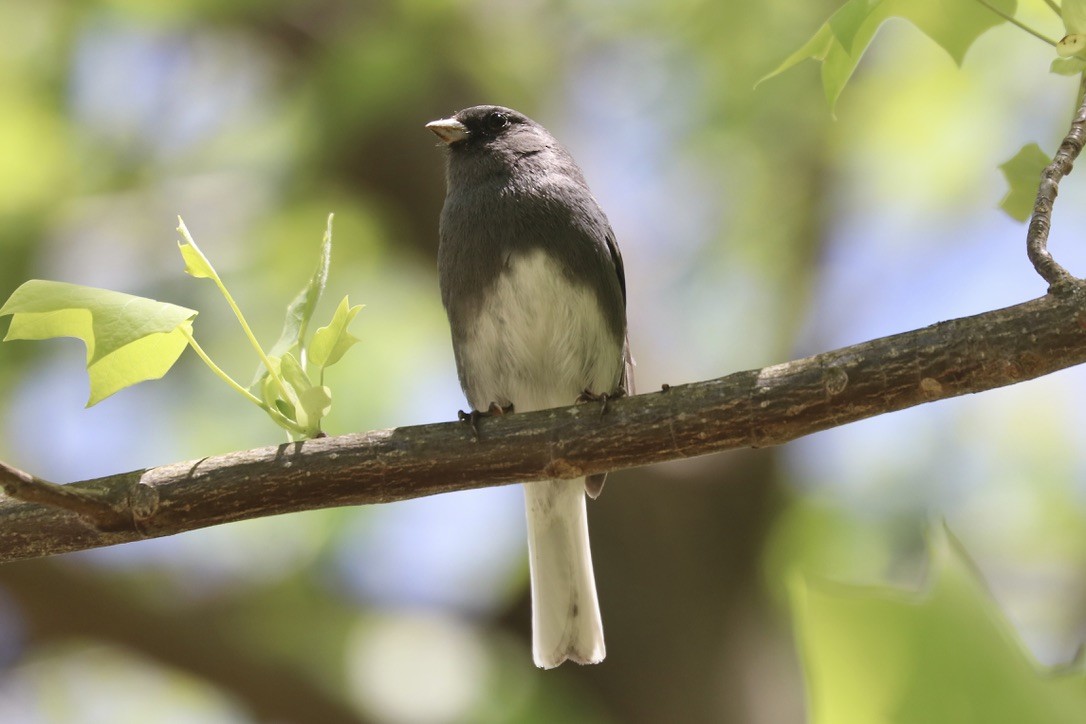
(604, 397)
(472, 418)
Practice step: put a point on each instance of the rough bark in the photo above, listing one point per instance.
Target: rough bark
(755, 408)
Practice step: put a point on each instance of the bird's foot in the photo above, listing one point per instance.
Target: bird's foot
(604, 397)
(472, 418)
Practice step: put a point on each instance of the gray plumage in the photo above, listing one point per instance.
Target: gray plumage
(534, 287)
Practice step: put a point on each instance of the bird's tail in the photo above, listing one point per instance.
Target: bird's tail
(565, 611)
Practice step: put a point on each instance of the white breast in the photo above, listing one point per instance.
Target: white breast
(539, 340)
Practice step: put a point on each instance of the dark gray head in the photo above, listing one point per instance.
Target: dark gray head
(489, 140)
(481, 128)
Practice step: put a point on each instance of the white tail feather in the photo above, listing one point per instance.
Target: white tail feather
(565, 610)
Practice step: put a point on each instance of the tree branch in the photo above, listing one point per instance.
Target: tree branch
(756, 408)
(91, 505)
(1041, 221)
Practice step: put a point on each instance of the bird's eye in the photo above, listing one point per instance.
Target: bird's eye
(497, 120)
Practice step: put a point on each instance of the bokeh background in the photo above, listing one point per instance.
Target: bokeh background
(755, 226)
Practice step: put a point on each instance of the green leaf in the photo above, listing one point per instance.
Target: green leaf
(954, 24)
(842, 40)
(317, 403)
(1067, 66)
(270, 393)
(1023, 174)
(944, 654)
(129, 339)
(1074, 16)
(331, 342)
(300, 311)
(295, 377)
(310, 403)
(196, 264)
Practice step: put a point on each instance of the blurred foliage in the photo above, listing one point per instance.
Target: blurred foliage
(844, 38)
(944, 655)
(1022, 173)
(754, 229)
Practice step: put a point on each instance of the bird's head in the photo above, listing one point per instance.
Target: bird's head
(491, 130)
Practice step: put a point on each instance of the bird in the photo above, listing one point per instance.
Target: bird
(534, 287)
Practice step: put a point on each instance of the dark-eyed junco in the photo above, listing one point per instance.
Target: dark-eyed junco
(533, 284)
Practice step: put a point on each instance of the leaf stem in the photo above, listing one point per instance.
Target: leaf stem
(1013, 21)
(1055, 8)
(218, 370)
(211, 273)
(252, 337)
(280, 419)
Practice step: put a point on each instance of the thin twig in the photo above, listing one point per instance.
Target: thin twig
(1018, 23)
(89, 504)
(1041, 222)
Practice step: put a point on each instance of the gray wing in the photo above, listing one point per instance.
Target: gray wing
(593, 484)
(627, 381)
